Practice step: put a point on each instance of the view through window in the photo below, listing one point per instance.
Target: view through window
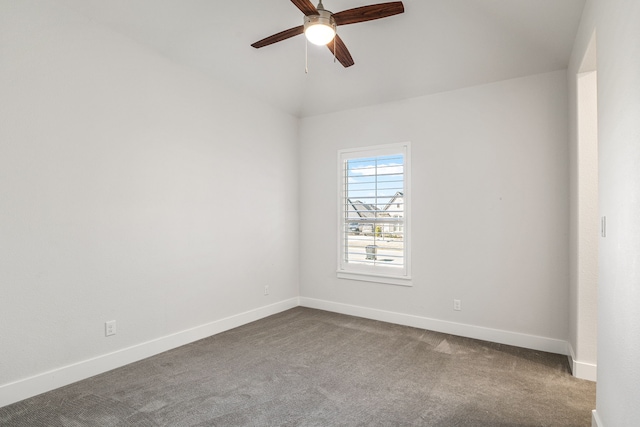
(373, 210)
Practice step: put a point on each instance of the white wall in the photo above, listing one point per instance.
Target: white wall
(130, 189)
(585, 221)
(618, 57)
(490, 211)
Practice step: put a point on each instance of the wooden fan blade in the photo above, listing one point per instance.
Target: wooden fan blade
(305, 7)
(283, 35)
(368, 13)
(342, 53)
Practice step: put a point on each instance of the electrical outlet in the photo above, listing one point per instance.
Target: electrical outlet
(266, 289)
(110, 328)
(457, 305)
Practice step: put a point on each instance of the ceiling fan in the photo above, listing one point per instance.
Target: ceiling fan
(320, 25)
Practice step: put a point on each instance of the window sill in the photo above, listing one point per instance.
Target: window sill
(377, 278)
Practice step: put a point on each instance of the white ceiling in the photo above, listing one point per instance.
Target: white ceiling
(436, 45)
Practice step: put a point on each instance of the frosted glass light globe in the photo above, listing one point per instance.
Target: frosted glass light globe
(320, 34)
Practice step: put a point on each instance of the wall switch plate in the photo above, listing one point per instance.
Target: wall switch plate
(266, 289)
(110, 328)
(457, 306)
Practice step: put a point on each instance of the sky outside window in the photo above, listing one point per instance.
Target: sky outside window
(375, 180)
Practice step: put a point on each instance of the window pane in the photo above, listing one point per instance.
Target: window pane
(373, 226)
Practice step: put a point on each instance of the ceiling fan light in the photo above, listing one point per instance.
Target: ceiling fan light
(320, 29)
(320, 34)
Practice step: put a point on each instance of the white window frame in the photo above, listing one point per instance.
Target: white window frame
(378, 273)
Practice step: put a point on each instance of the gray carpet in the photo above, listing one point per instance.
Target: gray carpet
(308, 367)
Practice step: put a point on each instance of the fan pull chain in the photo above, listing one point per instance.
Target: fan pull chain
(306, 56)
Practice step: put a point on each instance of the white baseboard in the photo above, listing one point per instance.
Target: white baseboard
(470, 331)
(582, 370)
(37, 384)
(595, 419)
(585, 371)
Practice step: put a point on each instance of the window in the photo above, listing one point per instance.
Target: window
(374, 214)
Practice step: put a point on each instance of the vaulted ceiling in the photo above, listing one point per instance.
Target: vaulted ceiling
(435, 46)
